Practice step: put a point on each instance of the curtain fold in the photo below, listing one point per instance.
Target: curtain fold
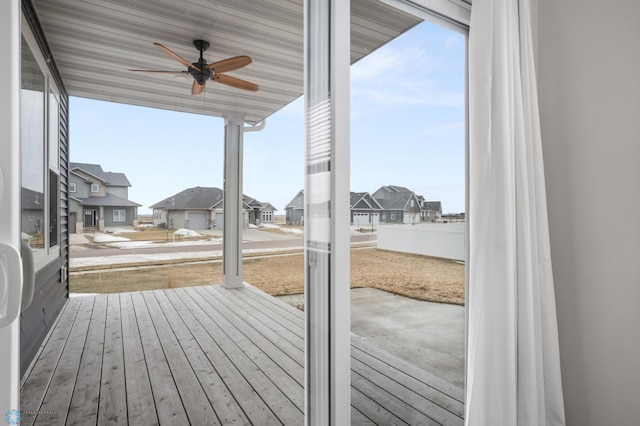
(513, 361)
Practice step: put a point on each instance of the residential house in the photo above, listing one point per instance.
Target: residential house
(201, 208)
(587, 93)
(258, 212)
(430, 211)
(399, 204)
(98, 199)
(365, 210)
(295, 210)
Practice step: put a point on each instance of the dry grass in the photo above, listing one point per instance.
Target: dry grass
(418, 277)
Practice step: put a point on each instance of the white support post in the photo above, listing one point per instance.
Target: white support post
(233, 223)
(9, 201)
(327, 214)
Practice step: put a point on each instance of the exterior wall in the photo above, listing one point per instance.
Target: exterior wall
(120, 191)
(589, 91)
(444, 240)
(82, 188)
(176, 219)
(129, 216)
(294, 216)
(51, 282)
(102, 189)
(159, 217)
(268, 217)
(386, 216)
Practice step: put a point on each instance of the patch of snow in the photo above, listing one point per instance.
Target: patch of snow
(252, 226)
(99, 237)
(26, 236)
(145, 225)
(294, 231)
(186, 233)
(128, 245)
(269, 225)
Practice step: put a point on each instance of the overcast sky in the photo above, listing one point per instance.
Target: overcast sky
(407, 129)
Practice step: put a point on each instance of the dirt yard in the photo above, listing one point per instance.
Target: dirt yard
(418, 277)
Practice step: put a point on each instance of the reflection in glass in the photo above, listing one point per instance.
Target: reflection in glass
(32, 150)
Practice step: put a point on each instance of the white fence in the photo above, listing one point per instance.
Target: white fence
(444, 240)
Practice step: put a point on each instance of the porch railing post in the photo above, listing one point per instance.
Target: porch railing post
(326, 213)
(233, 223)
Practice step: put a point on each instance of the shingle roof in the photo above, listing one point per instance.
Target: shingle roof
(298, 201)
(199, 197)
(393, 197)
(109, 178)
(109, 200)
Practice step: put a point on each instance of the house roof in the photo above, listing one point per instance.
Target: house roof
(95, 170)
(94, 44)
(203, 198)
(199, 197)
(393, 197)
(298, 201)
(364, 200)
(108, 200)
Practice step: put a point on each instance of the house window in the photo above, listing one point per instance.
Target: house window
(119, 216)
(95, 187)
(40, 162)
(393, 216)
(72, 187)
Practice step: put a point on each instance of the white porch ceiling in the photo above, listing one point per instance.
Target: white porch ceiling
(95, 42)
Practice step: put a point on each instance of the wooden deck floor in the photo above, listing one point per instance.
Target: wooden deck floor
(207, 356)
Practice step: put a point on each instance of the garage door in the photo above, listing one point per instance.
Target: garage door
(197, 221)
(219, 220)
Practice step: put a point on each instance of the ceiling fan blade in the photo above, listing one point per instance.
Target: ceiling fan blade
(197, 88)
(162, 72)
(229, 64)
(175, 56)
(235, 82)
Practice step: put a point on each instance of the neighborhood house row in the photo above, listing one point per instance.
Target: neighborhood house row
(100, 199)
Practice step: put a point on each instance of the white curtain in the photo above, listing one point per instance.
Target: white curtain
(513, 363)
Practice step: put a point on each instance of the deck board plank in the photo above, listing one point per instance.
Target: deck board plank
(267, 316)
(423, 411)
(225, 406)
(39, 377)
(86, 395)
(141, 406)
(275, 360)
(55, 405)
(113, 399)
(169, 406)
(195, 402)
(252, 362)
(240, 387)
(274, 340)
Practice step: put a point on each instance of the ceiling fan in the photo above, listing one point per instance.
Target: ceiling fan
(201, 71)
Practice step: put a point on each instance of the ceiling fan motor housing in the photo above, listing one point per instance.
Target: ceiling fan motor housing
(203, 75)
